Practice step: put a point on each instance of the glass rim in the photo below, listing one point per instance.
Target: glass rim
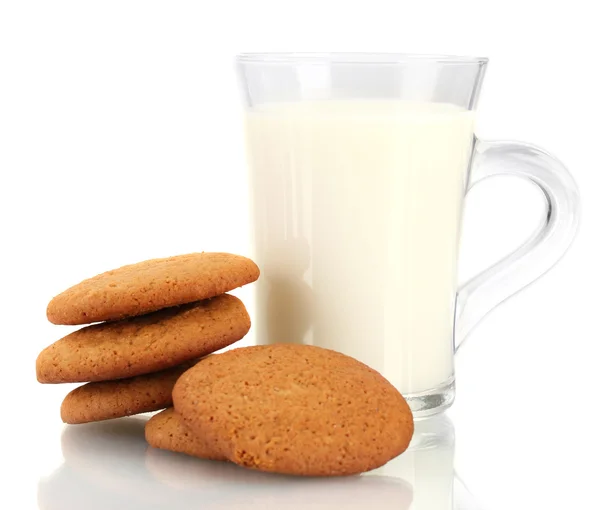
(372, 58)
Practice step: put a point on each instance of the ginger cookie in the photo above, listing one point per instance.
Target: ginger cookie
(294, 409)
(148, 286)
(144, 344)
(104, 400)
(166, 431)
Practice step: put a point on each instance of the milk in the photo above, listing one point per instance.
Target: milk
(356, 216)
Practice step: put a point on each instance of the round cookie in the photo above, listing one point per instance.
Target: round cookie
(294, 409)
(145, 344)
(148, 286)
(166, 431)
(99, 401)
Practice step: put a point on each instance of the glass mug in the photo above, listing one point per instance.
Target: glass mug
(359, 165)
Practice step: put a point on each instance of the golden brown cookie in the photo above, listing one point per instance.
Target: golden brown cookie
(166, 430)
(148, 286)
(144, 344)
(99, 401)
(294, 409)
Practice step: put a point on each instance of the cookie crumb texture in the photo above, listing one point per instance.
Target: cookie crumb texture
(99, 401)
(167, 431)
(144, 344)
(294, 409)
(148, 286)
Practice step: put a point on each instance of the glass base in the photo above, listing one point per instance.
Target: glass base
(431, 402)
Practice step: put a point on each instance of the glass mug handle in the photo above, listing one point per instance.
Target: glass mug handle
(541, 251)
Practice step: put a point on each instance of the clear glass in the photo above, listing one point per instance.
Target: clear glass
(359, 164)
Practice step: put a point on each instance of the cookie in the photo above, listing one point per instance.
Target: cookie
(294, 409)
(99, 401)
(148, 286)
(166, 431)
(144, 344)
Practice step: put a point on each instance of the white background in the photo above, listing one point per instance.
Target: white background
(120, 140)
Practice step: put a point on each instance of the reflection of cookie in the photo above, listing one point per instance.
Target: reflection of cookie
(144, 344)
(166, 430)
(109, 458)
(294, 409)
(151, 285)
(99, 401)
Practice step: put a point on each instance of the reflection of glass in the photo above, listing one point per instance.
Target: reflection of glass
(109, 465)
(428, 465)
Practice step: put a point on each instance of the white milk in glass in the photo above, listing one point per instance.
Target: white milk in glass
(356, 215)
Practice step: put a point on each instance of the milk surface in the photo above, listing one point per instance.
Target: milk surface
(356, 215)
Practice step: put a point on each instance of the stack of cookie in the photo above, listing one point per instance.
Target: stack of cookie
(283, 408)
(157, 319)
